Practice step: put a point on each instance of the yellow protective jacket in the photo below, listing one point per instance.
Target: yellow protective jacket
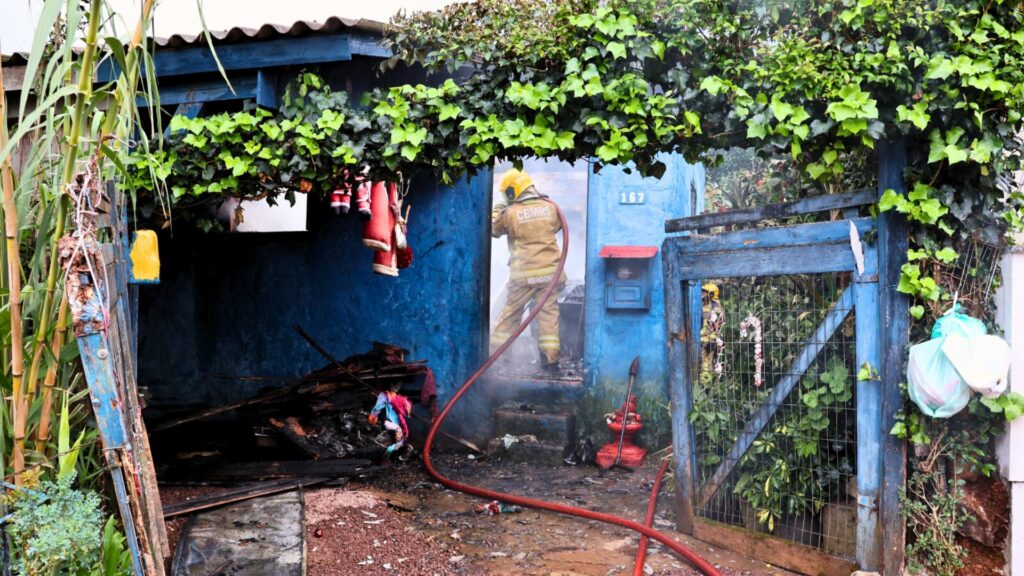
(531, 225)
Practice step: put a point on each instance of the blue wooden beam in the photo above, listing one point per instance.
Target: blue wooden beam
(869, 415)
(817, 342)
(810, 205)
(99, 377)
(367, 44)
(807, 259)
(266, 89)
(680, 342)
(254, 55)
(894, 320)
(207, 91)
(803, 234)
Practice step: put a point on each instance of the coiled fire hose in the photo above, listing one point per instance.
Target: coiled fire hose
(549, 291)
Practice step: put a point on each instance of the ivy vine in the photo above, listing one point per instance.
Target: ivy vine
(621, 81)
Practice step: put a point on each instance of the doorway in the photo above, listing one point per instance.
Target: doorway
(565, 184)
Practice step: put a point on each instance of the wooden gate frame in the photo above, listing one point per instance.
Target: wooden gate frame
(802, 249)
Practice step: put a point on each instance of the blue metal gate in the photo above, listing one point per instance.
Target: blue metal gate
(775, 344)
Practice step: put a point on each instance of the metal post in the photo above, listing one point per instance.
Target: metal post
(117, 473)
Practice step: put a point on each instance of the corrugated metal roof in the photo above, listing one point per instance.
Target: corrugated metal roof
(240, 34)
(271, 31)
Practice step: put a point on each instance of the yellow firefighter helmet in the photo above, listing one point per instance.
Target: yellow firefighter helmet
(712, 290)
(517, 180)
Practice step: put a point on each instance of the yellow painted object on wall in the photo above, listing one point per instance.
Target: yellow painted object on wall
(145, 257)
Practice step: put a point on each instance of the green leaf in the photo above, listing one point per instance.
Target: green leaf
(756, 128)
(890, 199)
(917, 311)
(658, 47)
(946, 255)
(1012, 412)
(780, 109)
(939, 68)
(617, 49)
(992, 404)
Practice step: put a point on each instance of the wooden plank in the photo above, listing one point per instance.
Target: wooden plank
(869, 420)
(808, 259)
(206, 91)
(266, 89)
(14, 78)
(775, 551)
(679, 388)
(226, 497)
(817, 342)
(367, 44)
(771, 211)
(252, 55)
(799, 235)
(146, 494)
(99, 376)
(332, 468)
(893, 241)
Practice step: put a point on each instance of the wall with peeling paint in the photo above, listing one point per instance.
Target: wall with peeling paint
(227, 302)
(614, 337)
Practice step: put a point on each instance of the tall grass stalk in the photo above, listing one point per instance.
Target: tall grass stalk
(64, 116)
(19, 404)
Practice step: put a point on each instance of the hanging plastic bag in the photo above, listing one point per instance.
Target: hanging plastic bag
(935, 385)
(956, 323)
(983, 362)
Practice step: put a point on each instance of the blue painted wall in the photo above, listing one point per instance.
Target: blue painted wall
(615, 337)
(227, 302)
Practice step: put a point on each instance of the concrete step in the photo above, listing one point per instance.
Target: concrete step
(535, 453)
(554, 428)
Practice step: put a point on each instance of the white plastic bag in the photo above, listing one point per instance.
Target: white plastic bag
(983, 362)
(935, 385)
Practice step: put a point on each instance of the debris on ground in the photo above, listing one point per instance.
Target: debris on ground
(259, 537)
(496, 507)
(322, 418)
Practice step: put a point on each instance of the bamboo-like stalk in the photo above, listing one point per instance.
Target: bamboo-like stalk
(46, 410)
(85, 78)
(19, 401)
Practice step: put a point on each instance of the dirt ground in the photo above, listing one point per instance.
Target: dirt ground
(403, 523)
(451, 538)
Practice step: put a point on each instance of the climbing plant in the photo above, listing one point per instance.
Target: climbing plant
(621, 81)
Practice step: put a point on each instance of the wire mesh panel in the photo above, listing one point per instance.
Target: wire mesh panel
(774, 416)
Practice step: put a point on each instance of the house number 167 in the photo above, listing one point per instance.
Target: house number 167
(632, 197)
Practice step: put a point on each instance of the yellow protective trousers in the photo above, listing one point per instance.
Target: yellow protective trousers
(519, 295)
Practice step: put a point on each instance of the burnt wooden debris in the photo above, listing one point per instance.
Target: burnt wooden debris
(238, 495)
(314, 428)
(234, 472)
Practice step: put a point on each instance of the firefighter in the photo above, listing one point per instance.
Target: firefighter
(530, 223)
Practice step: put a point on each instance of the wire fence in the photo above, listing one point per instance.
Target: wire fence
(797, 480)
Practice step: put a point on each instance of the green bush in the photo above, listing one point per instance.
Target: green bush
(56, 530)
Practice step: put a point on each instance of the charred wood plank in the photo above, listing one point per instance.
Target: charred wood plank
(252, 471)
(238, 495)
(293, 430)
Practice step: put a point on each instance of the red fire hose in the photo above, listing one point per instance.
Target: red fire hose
(549, 290)
(641, 551)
